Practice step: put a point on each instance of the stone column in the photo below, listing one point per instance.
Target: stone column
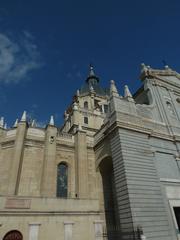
(98, 227)
(34, 231)
(49, 175)
(75, 116)
(81, 164)
(68, 230)
(17, 159)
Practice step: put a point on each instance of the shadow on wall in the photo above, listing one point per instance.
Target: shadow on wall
(113, 231)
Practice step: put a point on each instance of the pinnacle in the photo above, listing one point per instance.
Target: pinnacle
(91, 72)
(127, 92)
(113, 89)
(51, 122)
(2, 122)
(24, 117)
(16, 123)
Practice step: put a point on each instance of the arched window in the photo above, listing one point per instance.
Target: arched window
(13, 235)
(62, 180)
(86, 120)
(86, 105)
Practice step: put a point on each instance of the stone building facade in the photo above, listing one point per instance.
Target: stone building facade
(112, 171)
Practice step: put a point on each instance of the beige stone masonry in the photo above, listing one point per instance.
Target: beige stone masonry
(17, 159)
(48, 184)
(81, 164)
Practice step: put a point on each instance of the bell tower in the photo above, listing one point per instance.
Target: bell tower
(89, 106)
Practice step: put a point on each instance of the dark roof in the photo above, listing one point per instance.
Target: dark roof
(92, 84)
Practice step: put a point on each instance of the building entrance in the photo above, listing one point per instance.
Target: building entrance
(111, 212)
(13, 235)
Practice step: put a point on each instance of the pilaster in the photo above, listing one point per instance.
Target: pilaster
(48, 183)
(81, 164)
(75, 117)
(16, 164)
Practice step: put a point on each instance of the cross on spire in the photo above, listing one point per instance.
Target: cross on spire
(91, 72)
(92, 78)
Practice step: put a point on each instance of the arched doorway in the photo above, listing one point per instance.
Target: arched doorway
(110, 203)
(13, 235)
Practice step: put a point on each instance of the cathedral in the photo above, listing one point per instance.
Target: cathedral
(110, 172)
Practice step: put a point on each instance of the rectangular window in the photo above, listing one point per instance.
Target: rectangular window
(86, 120)
(177, 214)
(34, 231)
(105, 108)
(62, 180)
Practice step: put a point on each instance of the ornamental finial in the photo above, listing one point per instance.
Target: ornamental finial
(16, 123)
(33, 123)
(2, 122)
(144, 68)
(51, 122)
(127, 94)
(91, 71)
(24, 117)
(113, 89)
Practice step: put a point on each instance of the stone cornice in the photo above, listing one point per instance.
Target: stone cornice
(65, 145)
(139, 125)
(34, 143)
(7, 144)
(48, 213)
(158, 80)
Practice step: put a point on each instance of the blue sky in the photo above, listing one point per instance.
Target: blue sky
(46, 47)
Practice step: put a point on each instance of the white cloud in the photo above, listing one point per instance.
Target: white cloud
(28, 34)
(17, 59)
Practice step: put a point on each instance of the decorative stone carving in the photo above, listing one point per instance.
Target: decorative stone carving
(51, 139)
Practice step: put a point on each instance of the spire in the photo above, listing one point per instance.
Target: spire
(2, 122)
(91, 72)
(51, 122)
(33, 124)
(24, 117)
(16, 123)
(143, 67)
(78, 93)
(92, 78)
(127, 93)
(113, 89)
